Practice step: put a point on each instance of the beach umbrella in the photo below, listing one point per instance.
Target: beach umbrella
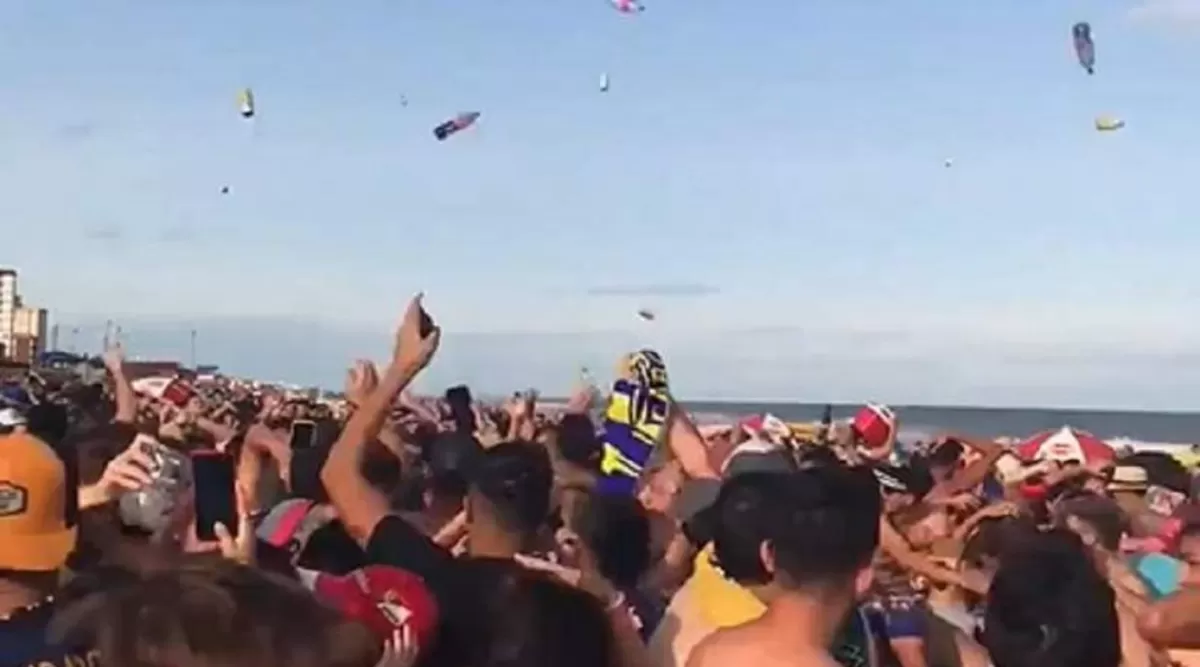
(1065, 444)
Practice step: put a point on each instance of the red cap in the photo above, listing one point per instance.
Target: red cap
(1034, 491)
(874, 424)
(382, 598)
(752, 425)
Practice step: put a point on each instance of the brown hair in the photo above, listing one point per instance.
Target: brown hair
(207, 613)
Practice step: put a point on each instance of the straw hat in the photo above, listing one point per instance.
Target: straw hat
(1128, 478)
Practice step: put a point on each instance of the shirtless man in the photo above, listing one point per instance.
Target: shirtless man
(823, 528)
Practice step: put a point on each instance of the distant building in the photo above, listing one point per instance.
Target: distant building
(8, 308)
(29, 334)
(23, 329)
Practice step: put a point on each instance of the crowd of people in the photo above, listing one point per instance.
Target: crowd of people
(395, 532)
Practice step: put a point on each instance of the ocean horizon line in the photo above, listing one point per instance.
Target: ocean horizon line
(900, 407)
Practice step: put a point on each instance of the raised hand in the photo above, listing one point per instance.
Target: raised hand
(361, 380)
(114, 358)
(417, 337)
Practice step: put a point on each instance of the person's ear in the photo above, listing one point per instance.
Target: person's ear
(569, 546)
(863, 581)
(766, 556)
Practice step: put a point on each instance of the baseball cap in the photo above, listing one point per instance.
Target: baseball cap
(11, 418)
(1128, 478)
(874, 425)
(381, 597)
(34, 535)
(151, 386)
(907, 478)
(892, 478)
(291, 524)
(750, 456)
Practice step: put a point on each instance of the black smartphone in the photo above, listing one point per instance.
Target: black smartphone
(427, 325)
(304, 435)
(213, 489)
(459, 400)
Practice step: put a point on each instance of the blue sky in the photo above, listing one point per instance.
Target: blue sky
(780, 168)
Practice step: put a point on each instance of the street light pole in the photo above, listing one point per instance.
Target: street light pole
(193, 335)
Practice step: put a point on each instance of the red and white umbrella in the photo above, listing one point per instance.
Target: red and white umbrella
(1065, 444)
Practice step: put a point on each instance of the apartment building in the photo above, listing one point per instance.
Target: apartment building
(23, 329)
(29, 333)
(8, 309)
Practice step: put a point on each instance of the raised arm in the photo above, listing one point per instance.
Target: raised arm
(114, 361)
(688, 446)
(974, 474)
(359, 505)
(894, 544)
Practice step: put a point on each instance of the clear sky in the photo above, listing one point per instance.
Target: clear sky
(768, 177)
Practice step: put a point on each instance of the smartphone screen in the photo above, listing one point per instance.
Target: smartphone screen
(304, 435)
(216, 502)
(459, 400)
(426, 326)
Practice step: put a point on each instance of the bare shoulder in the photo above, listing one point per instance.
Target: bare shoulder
(720, 648)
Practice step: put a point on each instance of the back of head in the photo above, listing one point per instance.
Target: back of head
(984, 547)
(616, 529)
(825, 527)
(821, 523)
(1099, 521)
(526, 619)
(213, 612)
(739, 524)
(945, 456)
(577, 441)
(446, 460)
(49, 421)
(811, 456)
(513, 480)
(1048, 606)
(912, 480)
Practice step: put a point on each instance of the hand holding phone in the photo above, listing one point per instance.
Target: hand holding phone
(417, 338)
(426, 326)
(458, 398)
(214, 494)
(304, 435)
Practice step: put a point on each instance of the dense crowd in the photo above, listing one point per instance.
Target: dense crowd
(394, 530)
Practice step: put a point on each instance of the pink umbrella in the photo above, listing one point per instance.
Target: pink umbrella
(1065, 444)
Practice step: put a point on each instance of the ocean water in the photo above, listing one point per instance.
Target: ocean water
(919, 422)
